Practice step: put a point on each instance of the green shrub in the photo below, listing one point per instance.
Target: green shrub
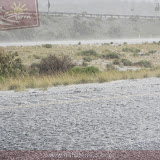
(106, 44)
(87, 59)
(11, 65)
(154, 42)
(84, 70)
(84, 64)
(107, 51)
(89, 53)
(2, 79)
(111, 55)
(79, 43)
(135, 54)
(48, 46)
(152, 51)
(110, 67)
(126, 62)
(116, 62)
(144, 63)
(36, 56)
(131, 50)
(137, 50)
(127, 50)
(54, 64)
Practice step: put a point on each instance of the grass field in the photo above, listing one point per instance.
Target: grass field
(115, 62)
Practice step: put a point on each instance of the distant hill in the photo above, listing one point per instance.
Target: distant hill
(71, 28)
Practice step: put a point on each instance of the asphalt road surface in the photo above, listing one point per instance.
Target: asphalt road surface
(115, 115)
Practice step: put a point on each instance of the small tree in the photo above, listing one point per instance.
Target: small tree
(54, 64)
(10, 65)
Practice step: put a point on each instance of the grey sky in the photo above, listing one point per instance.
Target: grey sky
(100, 6)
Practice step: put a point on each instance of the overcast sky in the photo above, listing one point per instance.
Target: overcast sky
(99, 6)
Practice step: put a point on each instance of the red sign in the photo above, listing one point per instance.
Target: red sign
(18, 14)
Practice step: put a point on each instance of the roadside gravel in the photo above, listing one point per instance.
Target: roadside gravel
(115, 115)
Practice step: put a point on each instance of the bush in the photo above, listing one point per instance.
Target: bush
(144, 63)
(36, 56)
(87, 59)
(135, 54)
(127, 50)
(152, 51)
(131, 50)
(116, 62)
(126, 62)
(110, 67)
(2, 79)
(48, 46)
(84, 64)
(111, 55)
(11, 65)
(84, 70)
(89, 53)
(53, 64)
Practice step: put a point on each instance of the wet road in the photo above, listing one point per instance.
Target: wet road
(116, 115)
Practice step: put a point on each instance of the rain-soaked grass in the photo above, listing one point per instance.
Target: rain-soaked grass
(43, 82)
(34, 54)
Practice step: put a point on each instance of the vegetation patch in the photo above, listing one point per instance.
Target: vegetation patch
(91, 52)
(126, 62)
(110, 55)
(53, 65)
(116, 62)
(47, 46)
(131, 50)
(84, 70)
(144, 63)
(110, 67)
(11, 65)
(87, 59)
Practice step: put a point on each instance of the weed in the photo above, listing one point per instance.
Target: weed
(47, 46)
(84, 64)
(126, 62)
(89, 53)
(36, 56)
(10, 65)
(87, 59)
(116, 62)
(110, 67)
(84, 70)
(144, 63)
(102, 80)
(53, 64)
(111, 55)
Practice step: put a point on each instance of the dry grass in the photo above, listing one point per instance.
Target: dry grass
(44, 82)
(34, 54)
